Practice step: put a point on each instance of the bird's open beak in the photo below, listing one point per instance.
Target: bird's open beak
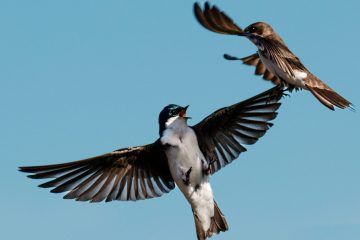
(182, 113)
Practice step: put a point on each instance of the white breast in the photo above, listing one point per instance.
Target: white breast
(183, 154)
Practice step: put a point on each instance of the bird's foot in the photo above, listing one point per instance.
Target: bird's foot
(186, 177)
(284, 94)
(207, 171)
(290, 88)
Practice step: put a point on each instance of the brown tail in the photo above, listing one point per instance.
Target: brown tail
(218, 224)
(326, 95)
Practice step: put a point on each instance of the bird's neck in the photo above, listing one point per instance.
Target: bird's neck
(179, 126)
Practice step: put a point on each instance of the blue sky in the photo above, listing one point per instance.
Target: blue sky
(81, 78)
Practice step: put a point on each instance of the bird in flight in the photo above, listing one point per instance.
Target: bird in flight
(273, 60)
(182, 155)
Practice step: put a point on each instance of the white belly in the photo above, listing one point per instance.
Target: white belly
(181, 157)
(296, 80)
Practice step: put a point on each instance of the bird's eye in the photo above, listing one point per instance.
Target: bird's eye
(174, 112)
(252, 29)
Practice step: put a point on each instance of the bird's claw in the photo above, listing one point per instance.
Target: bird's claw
(284, 94)
(207, 171)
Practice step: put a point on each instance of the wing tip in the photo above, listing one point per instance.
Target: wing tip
(196, 7)
(352, 108)
(215, 20)
(26, 169)
(230, 57)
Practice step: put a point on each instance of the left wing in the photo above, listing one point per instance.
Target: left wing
(260, 69)
(221, 135)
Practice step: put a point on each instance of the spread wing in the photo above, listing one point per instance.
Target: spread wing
(223, 134)
(126, 174)
(215, 20)
(260, 69)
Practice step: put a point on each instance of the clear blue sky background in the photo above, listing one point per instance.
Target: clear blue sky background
(81, 78)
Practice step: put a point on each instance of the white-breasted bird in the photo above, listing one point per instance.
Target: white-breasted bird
(183, 155)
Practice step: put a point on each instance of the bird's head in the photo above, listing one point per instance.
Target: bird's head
(258, 29)
(172, 114)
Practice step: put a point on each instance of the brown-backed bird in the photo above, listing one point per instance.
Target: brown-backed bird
(273, 60)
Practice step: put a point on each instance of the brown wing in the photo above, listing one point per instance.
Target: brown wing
(260, 69)
(125, 174)
(279, 53)
(215, 20)
(221, 135)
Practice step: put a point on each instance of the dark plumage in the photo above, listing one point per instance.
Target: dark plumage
(143, 172)
(126, 174)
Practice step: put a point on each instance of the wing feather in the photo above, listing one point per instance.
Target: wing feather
(221, 135)
(125, 174)
(213, 19)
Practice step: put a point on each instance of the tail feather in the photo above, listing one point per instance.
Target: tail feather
(200, 233)
(325, 94)
(330, 98)
(322, 99)
(218, 224)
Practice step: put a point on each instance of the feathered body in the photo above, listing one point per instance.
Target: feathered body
(273, 60)
(184, 156)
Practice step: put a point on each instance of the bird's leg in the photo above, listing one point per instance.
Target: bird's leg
(186, 177)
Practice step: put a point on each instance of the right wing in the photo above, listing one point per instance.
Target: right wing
(215, 20)
(126, 174)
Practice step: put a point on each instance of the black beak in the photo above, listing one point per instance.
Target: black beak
(183, 112)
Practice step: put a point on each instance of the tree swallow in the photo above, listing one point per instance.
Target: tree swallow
(183, 155)
(273, 60)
